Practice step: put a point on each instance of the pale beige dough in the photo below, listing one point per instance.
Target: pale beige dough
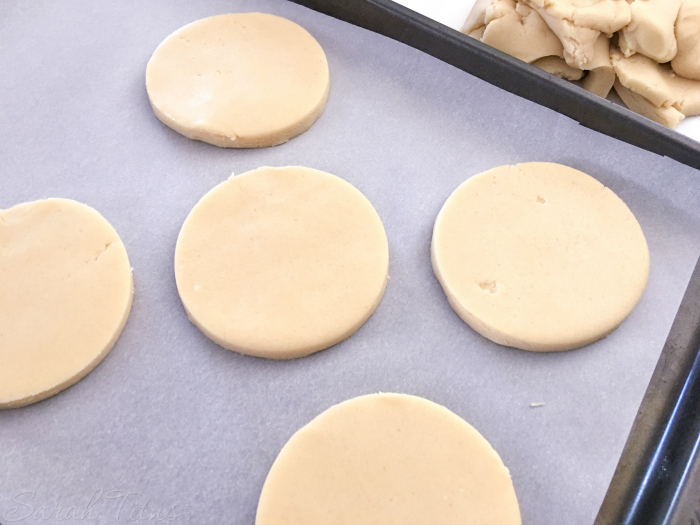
(65, 295)
(281, 262)
(651, 31)
(668, 116)
(539, 256)
(557, 66)
(657, 83)
(599, 81)
(388, 459)
(687, 60)
(512, 27)
(579, 23)
(578, 42)
(606, 16)
(521, 31)
(601, 76)
(243, 80)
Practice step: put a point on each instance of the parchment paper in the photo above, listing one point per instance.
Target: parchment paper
(170, 422)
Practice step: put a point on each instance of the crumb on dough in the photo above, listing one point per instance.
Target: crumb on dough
(488, 286)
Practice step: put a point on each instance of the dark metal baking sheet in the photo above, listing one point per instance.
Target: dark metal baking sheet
(657, 473)
(400, 23)
(657, 480)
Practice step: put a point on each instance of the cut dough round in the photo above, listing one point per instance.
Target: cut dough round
(65, 295)
(539, 256)
(281, 262)
(245, 80)
(388, 458)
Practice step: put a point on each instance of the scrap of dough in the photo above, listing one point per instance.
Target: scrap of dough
(388, 459)
(601, 77)
(65, 295)
(281, 262)
(606, 16)
(668, 116)
(578, 42)
(245, 80)
(578, 24)
(657, 83)
(539, 256)
(687, 60)
(558, 66)
(512, 27)
(651, 31)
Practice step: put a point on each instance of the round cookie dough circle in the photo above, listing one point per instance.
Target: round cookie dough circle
(539, 256)
(388, 458)
(65, 295)
(281, 262)
(245, 80)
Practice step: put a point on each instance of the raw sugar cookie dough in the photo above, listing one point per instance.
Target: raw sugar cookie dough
(281, 262)
(388, 458)
(245, 80)
(65, 295)
(539, 256)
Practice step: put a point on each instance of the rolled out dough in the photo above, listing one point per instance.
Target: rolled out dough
(389, 459)
(65, 295)
(245, 80)
(539, 256)
(281, 262)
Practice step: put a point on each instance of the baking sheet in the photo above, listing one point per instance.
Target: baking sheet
(453, 14)
(171, 422)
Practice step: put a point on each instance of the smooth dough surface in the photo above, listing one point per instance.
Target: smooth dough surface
(281, 262)
(389, 459)
(244, 80)
(65, 295)
(539, 256)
